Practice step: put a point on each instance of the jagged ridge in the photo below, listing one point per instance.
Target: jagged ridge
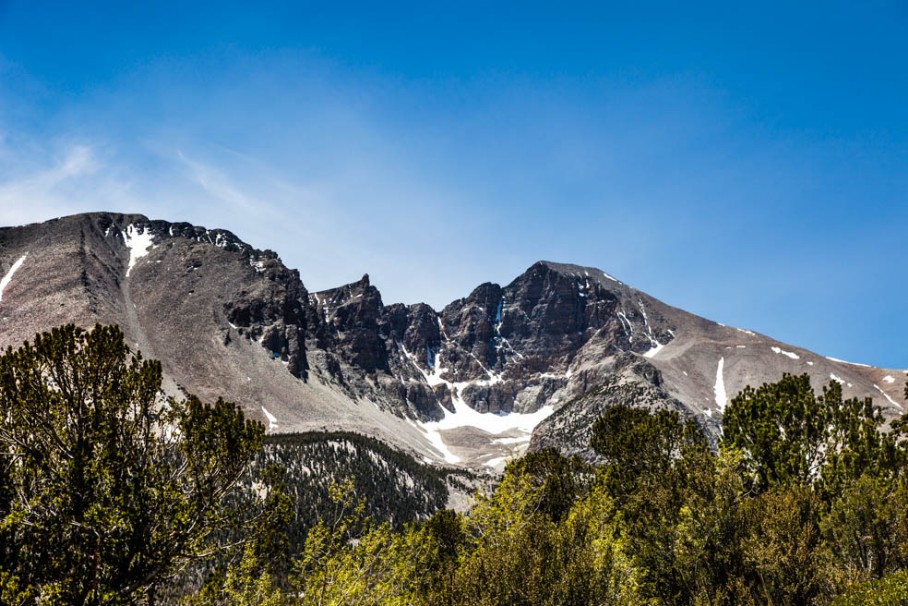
(227, 319)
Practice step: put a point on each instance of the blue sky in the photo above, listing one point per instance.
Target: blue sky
(746, 163)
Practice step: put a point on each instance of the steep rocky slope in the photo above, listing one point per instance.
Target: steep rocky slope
(529, 364)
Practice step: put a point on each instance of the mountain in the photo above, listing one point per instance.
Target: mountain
(506, 368)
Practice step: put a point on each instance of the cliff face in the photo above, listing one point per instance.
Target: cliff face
(529, 364)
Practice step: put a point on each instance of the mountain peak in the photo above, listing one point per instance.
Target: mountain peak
(571, 270)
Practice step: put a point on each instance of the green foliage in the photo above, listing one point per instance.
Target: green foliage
(654, 462)
(244, 583)
(709, 529)
(867, 527)
(641, 447)
(791, 515)
(783, 549)
(379, 568)
(516, 552)
(597, 567)
(558, 480)
(348, 560)
(107, 488)
(781, 428)
(638, 441)
(891, 590)
(12, 592)
(789, 434)
(507, 538)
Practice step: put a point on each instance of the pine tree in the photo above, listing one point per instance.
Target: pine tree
(106, 487)
(788, 434)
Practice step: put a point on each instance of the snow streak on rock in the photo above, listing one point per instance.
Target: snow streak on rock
(789, 354)
(847, 362)
(138, 244)
(719, 388)
(272, 420)
(9, 275)
(886, 395)
(656, 345)
(836, 378)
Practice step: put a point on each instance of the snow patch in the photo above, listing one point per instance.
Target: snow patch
(719, 387)
(464, 416)
(655, 349)
(810, 363)
(512, 441)
(551, 375)
(495, 424)
(836, 378)
(846, 362)
(747, 332)
(496, 463)
(886, 395)
(138, 244)
(791, 355)
(9, 275)
(272, 420)
(220, 239)
(435, 439)
(259, 266)
(888, 379)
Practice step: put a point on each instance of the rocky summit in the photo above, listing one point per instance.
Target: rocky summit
(506, 368)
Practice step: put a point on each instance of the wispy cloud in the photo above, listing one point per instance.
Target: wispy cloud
(45, 185)
(218, 185)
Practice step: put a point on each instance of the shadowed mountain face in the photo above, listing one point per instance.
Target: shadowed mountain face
(529, 364)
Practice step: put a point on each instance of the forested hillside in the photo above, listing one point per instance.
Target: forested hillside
(392, 485)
